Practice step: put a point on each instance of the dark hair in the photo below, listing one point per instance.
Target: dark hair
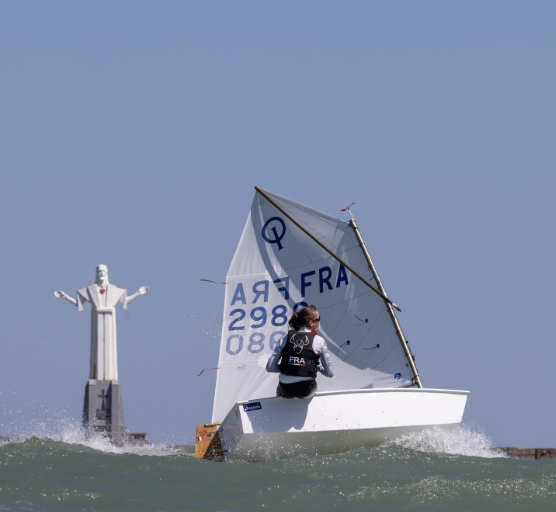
(302, 316)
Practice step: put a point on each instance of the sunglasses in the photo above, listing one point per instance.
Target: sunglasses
(316, 319)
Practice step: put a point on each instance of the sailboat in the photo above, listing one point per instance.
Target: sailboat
(289, 256)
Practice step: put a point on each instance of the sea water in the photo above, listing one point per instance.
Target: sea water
(431, 471)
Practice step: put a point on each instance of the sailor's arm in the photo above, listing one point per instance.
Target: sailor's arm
(325, 365)
(141, 291)
(61, 295)
(274, 359)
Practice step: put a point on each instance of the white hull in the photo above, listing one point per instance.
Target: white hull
(334, 422)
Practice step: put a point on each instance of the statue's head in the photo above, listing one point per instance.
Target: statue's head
(102, 275)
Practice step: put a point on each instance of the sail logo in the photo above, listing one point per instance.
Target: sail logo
(271, 225)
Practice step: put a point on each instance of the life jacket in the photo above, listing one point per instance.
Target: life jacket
(298, 356)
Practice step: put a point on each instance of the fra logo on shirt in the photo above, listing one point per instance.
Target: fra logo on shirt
(297, 361)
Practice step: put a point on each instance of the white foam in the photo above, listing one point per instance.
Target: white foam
(66, 430)
(466, 440)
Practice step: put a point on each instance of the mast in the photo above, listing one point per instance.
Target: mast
(399, 331)
(281, 210)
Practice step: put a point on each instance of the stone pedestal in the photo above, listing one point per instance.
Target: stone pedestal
(103, 408)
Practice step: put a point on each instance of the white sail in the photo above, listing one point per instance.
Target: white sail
(276, 268)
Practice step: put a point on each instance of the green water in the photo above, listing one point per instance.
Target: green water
(428, 473)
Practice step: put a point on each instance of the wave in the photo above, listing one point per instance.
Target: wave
(67, 431)
(466, 440)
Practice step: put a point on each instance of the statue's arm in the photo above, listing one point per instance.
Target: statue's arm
(61, 295)
(141, 291)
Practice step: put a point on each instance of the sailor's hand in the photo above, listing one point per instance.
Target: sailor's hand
(143, 290)
(320, 367)
(59, 294)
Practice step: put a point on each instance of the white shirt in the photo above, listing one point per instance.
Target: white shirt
(319, 347)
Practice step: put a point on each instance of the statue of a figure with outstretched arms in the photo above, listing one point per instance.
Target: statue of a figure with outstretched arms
(103, 298)
(102, 406)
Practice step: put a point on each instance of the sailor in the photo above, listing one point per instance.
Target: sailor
(299, 355)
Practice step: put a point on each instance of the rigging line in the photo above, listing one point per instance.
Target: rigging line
(345, 343)
(367, 333)
(347, 303)
(385, 357)
(206, 370)
(279, 208)
(366, 321)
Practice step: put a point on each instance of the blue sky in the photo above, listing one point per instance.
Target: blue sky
(132, 134)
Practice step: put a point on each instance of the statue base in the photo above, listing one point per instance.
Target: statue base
(128, 438)
(103, 409)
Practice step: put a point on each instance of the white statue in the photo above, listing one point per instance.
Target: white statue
(103, 298)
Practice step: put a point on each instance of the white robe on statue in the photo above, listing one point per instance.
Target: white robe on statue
(104, 347)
